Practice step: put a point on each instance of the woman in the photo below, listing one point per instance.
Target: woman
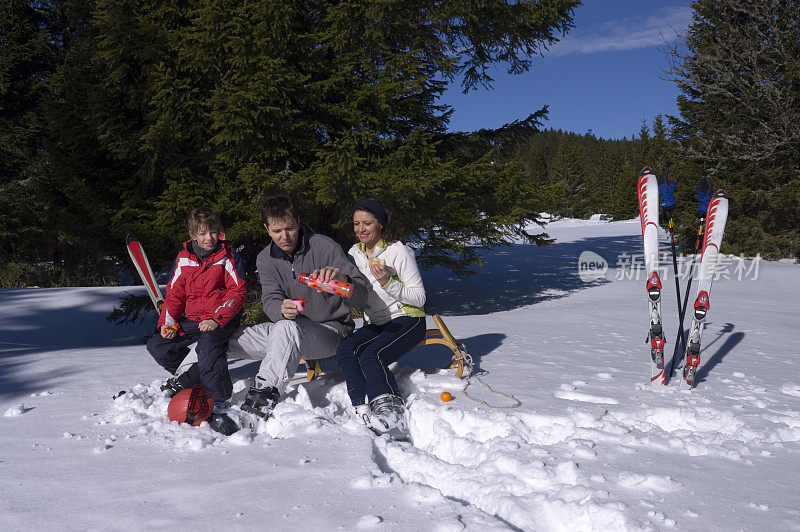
(394, 320)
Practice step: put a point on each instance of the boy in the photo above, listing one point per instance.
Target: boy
(203, 304)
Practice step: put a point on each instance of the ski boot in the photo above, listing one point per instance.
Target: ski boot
(220, 421)
(181, 382)
(363, 414)
(389, 417)
(261, 400)
(380, 424)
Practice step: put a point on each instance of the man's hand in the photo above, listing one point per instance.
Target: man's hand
(208, 325)
(289, 310)
(328, 273)
(169, 331)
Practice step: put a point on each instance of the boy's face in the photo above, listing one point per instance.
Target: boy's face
(284, 232)
(206, 238)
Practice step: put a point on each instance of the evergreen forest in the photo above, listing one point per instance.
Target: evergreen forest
(119, 116)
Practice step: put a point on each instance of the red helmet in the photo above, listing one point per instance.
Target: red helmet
(192, 405)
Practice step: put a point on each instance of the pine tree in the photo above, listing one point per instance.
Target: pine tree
(28, 216)
(225, 102)
(738, 69)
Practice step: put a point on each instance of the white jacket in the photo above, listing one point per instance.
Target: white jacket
(403, 295)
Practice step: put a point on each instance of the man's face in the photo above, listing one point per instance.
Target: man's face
(284, 232)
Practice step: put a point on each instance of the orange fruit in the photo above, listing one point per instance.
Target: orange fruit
(446, 396)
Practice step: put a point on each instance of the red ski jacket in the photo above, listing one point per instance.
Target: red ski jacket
(214, 289)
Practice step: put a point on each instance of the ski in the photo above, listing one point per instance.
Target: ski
(716, 218)
(139, 259)
(647, 190)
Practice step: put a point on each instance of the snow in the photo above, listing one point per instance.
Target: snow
(593, 446)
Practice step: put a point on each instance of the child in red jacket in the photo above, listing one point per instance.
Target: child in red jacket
(203, 304)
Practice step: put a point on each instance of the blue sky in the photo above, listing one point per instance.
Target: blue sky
(606, 75)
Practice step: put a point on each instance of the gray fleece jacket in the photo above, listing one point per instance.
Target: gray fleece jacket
(278, 273)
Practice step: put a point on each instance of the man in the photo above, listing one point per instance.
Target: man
(313, 333)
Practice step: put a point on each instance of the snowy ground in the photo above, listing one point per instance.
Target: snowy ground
(592, 447)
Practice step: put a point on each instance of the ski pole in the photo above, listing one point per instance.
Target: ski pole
(704, 195)
(682, 309)
(681, 339)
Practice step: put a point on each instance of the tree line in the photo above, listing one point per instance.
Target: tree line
(119, 116)
(737, 67)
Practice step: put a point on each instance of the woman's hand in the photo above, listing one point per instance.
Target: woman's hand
(380, 271)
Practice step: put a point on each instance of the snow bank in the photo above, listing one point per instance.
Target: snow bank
(593, 446)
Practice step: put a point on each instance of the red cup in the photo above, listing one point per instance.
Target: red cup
(300, 304)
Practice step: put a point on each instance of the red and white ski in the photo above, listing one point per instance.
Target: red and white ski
(139, 259)
(716, 218)
(647, 190)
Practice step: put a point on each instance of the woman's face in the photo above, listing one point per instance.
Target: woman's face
(367, 228)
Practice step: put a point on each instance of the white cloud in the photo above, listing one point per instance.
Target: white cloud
(628, 33)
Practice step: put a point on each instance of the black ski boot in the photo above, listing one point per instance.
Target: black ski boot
(181, 382)
(261, 401)
(221, 421)
(389, 417)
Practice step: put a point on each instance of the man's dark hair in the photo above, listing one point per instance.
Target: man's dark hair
(278, 208)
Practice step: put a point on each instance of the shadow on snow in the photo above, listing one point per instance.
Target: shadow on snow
(34, 327)
(512, 277)
(520, 275)
(727, 346)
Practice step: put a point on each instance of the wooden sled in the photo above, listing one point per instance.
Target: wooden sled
(313, 369)
(441, 335)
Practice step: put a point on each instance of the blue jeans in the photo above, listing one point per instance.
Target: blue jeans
(365, 356)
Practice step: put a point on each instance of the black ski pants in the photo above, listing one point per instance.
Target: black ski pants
(212, 360)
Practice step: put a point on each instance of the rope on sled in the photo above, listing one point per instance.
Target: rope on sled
(467, 358)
